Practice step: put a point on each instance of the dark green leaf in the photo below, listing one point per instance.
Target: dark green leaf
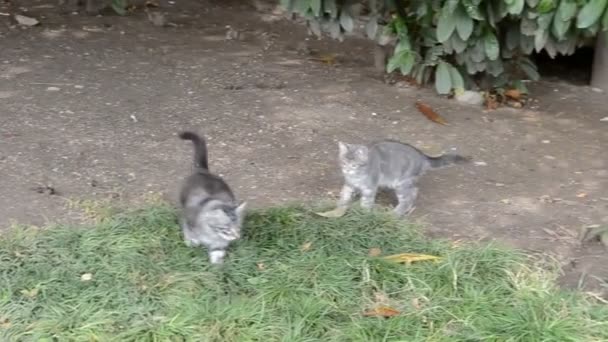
(403, 45)
(529, 69)
(540, 39)
(590, 13)
(477, 52)
(544, 21)
(315, 6)
(464, 24)
(516, 7)
(560, 27)
(443, 82)
(528, 26)
(512, 39)
(346, 21)
(545, 6)
(526, 43)
(566, 10)
(371, 28)
(491, 46)
(495, 68)
(456, 78)
(458, 44)
(407, 63)
(119, 6)
(432, 55)
(450, 6)
(472, 10)
(393, 63)
(445, 26)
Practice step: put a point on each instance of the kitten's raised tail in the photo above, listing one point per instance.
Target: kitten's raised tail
(200, 149)
(446, 160)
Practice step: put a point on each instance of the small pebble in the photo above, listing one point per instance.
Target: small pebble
(481, 163)
(53, 89)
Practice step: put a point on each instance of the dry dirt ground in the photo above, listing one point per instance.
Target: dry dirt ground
(91, 107)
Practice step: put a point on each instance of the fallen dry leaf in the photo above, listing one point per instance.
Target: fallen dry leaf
(491, 101)
(581, 195)
(430, 113)
(381, 311)
(306, 246)
(30, 293)
(261, 266)
(4, 322)
(338, 212)
(513, 94)
(408, 258)
(329, 59)
(86, 277)
(374, 252)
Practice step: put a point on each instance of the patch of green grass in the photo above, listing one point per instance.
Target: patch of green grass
(146, 285)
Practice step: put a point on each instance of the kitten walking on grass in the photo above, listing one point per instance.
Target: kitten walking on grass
(386, 164)
(211, 216)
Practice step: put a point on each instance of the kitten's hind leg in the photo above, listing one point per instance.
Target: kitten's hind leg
(368, 197)
(346, 196)
(406, 195)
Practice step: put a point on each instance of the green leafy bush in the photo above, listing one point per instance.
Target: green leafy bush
(462, 43)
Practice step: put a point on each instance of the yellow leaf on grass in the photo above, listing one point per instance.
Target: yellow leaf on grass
(30, 293)
(374, 252)
(408, 258)
(381, 311)
(306, 246)
(338, 212)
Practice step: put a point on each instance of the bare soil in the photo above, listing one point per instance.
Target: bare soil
(90, 107)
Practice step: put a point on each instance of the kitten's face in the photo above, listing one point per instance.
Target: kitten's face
(225, 221)
(353, 157)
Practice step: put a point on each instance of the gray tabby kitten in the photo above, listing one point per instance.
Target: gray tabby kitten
(386, 164)
(211, 215)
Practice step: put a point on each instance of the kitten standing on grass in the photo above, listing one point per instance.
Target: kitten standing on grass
(211, 215)
(386, 164)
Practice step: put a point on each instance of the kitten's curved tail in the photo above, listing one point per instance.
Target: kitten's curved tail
(200, 149)
(446, 160)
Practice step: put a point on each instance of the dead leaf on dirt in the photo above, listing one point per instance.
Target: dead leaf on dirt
(513, 94)
(581, 195)
(408, 258)
(261, 266)
(306, 246)
(4, 322)
(86, 277)
(338, 212)
(374, 252)
(329, 59)
(430, 113)
(30, 293)
(381, 311)
(491, 101)
(151, 4)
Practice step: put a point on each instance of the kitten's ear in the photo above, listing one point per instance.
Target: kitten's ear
(343, 148)
(240, 210)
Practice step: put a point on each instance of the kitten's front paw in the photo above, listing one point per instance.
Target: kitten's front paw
(217, 257)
